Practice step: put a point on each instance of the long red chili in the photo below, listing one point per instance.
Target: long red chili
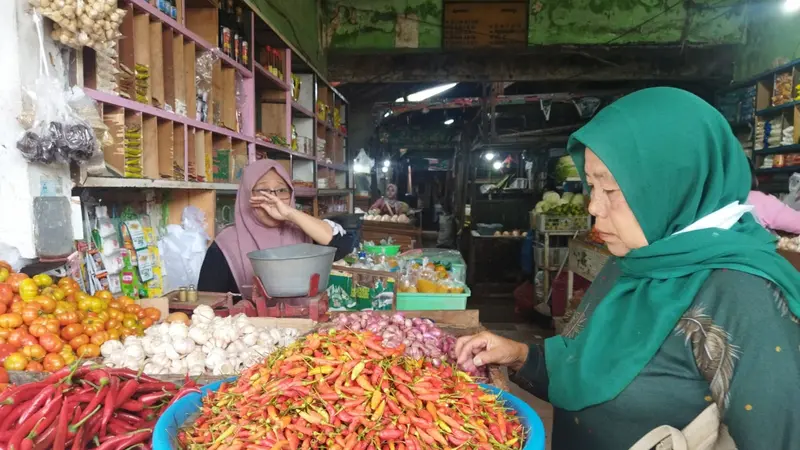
(64, 417)
(110, 404)
(126, 391)
(35, 423)
(126, 440)
(96, 399)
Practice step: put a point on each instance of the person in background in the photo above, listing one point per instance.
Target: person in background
(264, 217)
(772, 213)
(388, 203)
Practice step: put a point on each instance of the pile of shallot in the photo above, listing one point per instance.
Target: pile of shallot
(421, 337)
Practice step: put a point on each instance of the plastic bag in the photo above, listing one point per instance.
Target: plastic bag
(183, 249)
(78, 23)
(56, 132)
(793, 197)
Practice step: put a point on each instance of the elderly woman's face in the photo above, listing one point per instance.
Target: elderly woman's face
(616, 223)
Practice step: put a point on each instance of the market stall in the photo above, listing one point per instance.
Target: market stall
(150, 380)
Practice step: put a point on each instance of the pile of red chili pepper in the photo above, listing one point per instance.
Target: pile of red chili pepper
(344, 391)
(85, 407)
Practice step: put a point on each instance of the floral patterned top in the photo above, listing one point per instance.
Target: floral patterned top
(737, 345)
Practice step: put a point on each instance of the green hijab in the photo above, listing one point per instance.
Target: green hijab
(676, 161)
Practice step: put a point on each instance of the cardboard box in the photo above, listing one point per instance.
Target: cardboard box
(160, 303)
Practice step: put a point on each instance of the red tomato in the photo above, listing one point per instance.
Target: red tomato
(5, 350)
(53, 362)
(6, 293)
(15, 337)
(29, 340)
(35, 352)
(34, 366)
(51, 342)
(72, 331)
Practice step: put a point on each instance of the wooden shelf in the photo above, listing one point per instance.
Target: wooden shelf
(139, 183)
(305, 192)
(340, 167)
(143, 5)
(299, 110)
(112, 99)
(777, 109)
(789, 169)
(333, 192)
(795, 148)
(272, 79)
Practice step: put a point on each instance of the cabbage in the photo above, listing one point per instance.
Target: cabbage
(542, 207)
(551, 197)
(567, 196)
(577, 200)
(565, 169)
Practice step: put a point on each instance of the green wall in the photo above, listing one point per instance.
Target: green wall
(375, 25)
(773, 38)
(298, 22)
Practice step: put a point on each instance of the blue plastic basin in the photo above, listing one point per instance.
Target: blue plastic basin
(172, 419)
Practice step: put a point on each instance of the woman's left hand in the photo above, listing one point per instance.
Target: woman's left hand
(273, 206)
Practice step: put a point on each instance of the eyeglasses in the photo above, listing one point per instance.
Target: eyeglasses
(281, 193)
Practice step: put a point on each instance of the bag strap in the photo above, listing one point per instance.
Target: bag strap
(657, 435)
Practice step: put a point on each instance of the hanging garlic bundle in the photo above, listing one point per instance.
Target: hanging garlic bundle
(79, 23)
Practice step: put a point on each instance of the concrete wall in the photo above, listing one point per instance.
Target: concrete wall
(20, 182)
(772, 40)
(298, 22)
(361, 25)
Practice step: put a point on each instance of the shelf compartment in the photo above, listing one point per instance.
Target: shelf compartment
(179, 135)
(239, 159)
(166, 148)
(157, 65)
(141, 183)
(151, 110)
(271, 79)
(189, 74)
(203, 43)
(777, 109)
(774, 170)
(150, 147)
(141, 56)
(222, 155)
(299, 110)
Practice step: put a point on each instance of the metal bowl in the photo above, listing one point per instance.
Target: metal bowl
(291, 271)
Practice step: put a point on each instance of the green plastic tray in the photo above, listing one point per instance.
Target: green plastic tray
(410, 301)
(386, 250)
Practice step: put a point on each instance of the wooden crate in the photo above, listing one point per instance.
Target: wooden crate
(407, 236)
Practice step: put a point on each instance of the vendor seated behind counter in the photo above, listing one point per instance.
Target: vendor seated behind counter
(265, 217)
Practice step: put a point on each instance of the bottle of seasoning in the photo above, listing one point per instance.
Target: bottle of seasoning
(182, 294)
(191, 294)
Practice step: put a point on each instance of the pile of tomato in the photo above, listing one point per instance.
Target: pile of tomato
(46, 325)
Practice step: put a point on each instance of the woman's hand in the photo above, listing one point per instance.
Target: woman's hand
(273, 206)
(486, 348)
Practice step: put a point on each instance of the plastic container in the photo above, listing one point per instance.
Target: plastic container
(386, 250)
(546, 223)
(488, 229)
(291, 271)
(166, 429)
(415, 301)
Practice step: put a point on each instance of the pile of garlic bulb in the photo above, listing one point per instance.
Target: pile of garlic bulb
(789, 244)
(211, 344)
(79, 23)
(397, 218)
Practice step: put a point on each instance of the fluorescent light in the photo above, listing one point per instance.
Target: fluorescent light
(384, 169)
(430, 92)
(387, 113)
(449, 121)
(497, 165)
(791, 6)
(387, 163)
(400, 100)
(489, 156)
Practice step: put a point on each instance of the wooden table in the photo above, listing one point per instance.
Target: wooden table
(405, 235)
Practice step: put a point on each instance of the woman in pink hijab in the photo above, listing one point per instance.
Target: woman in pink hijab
(265, 217)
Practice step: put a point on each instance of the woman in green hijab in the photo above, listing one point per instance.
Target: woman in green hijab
(695, 306)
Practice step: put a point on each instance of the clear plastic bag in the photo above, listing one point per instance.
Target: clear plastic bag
(183, 249)
(55, 132)
(793, 197)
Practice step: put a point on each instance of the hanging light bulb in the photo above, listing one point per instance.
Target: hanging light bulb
(489, 155)
(430, 92)
(387, 163)
(449, 121)
(387, 113)
(384, 169)
(497, 165)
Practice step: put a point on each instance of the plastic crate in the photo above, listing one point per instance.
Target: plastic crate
(550, 224)
(415, 301)
(557, 255)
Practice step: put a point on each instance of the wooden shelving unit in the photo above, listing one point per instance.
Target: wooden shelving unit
(250, 113)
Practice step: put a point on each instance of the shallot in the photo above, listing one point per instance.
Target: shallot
(422, 338)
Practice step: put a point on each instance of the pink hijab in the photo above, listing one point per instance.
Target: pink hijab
(247, 234)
